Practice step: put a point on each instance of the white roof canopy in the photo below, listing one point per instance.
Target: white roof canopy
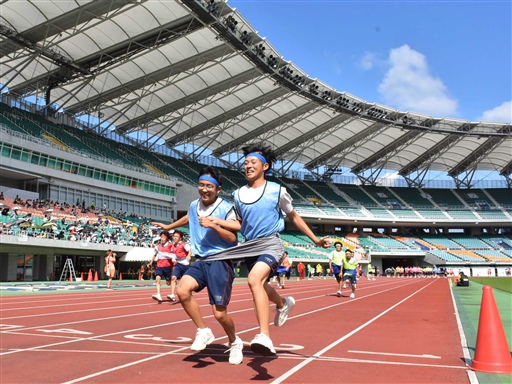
(194, 72)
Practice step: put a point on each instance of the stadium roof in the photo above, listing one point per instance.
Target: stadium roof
(196, 72)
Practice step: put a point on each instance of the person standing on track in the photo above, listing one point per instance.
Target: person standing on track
(183, 254)
(165, 257)
(301, 268)
(336, 265)
(259, 206)
(110, 267)
(207, 238)
(350, 266)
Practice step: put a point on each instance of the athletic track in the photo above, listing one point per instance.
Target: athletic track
(394, 331)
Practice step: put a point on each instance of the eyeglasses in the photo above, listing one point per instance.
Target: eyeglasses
(208, 187)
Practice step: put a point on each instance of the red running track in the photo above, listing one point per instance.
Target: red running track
(395, 330)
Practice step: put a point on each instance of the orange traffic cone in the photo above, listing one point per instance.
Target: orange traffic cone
(120, 276)
(96, 276)
(81, 276)
(70, 277)
(492, 354)
(89, 275)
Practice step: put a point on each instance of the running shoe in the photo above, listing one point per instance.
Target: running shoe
(204, 336)
(157, 297)
(235, 351)
(282, 313)
(344, 286)
(171, 297)
(352, 295)
(262, 345)
(338, 293)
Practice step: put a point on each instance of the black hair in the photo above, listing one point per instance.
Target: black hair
(338, 242)
(349, 250)
(179, 233)
(265, 150)
(167, 234)
(213, 172)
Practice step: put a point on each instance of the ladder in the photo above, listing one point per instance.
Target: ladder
(68, 267)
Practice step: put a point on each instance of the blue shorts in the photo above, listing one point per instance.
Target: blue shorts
(282, 270)
(336, 269)
(217, 276)
(350, 276)
(164, 273)
(179, 270)
(270, 260)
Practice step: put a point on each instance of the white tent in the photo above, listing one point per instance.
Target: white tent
(138, 254)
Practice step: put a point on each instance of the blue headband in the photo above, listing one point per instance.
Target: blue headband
(210, 179)
(258, 156)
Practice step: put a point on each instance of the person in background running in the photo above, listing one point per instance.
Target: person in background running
(350, 266)
(336, 265)
(283, 270)
(183, 254)
(165, 257)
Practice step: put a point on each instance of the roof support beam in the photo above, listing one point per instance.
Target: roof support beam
(66, 21)
(384, 152)
(328, 125)
(344, 145)
(109, 56)
(256, 102)
(429, 155)
(278, 122)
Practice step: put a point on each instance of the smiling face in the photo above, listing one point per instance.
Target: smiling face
(208, 192)
(254, 169)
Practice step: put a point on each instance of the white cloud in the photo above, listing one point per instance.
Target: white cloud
(368, 61)
(501, 114)
(409, 86)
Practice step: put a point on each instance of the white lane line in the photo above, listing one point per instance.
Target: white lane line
(98, 338)
(424, 356)
(473, 379)
(314, 357)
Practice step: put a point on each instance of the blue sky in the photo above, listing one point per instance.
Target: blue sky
(440, 58)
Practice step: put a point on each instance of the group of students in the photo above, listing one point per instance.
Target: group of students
(214, 222)
(344, 268)
(172, 256)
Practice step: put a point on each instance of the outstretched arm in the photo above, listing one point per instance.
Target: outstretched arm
(299, 222)
(178, 223)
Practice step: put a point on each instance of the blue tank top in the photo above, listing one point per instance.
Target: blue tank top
(263, 217)
(205, 241)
